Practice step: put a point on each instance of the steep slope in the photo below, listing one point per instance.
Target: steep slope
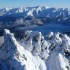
(35, 52)
(15, 57)
(55, 50)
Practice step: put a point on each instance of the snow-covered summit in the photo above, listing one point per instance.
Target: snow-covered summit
(35, 52)
(13, 56)
(39, 11)
(38, 15)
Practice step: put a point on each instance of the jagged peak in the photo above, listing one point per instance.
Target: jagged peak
(53, 53)
(19, 58)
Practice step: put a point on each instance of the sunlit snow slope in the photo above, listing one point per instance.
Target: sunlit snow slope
(35, 52)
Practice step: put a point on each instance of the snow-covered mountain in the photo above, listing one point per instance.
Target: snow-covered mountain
(12, 18)
(30, 47)
(36, 11)
(35, 52)
(35, 15)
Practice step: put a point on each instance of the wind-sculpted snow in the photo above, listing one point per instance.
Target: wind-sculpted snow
(15, 57)
(34, 42)
(54, 48)
(35, 51)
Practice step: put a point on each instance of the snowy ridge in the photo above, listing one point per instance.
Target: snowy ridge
(36, 11)
(16, 57)
(10, 17)
(35, 52)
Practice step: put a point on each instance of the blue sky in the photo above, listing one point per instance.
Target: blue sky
(26, 3)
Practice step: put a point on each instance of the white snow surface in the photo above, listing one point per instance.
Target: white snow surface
(18, 58)
(35, 51)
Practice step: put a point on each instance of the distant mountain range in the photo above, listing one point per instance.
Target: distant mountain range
(36, 15)
(36, 11)
(18, 18)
